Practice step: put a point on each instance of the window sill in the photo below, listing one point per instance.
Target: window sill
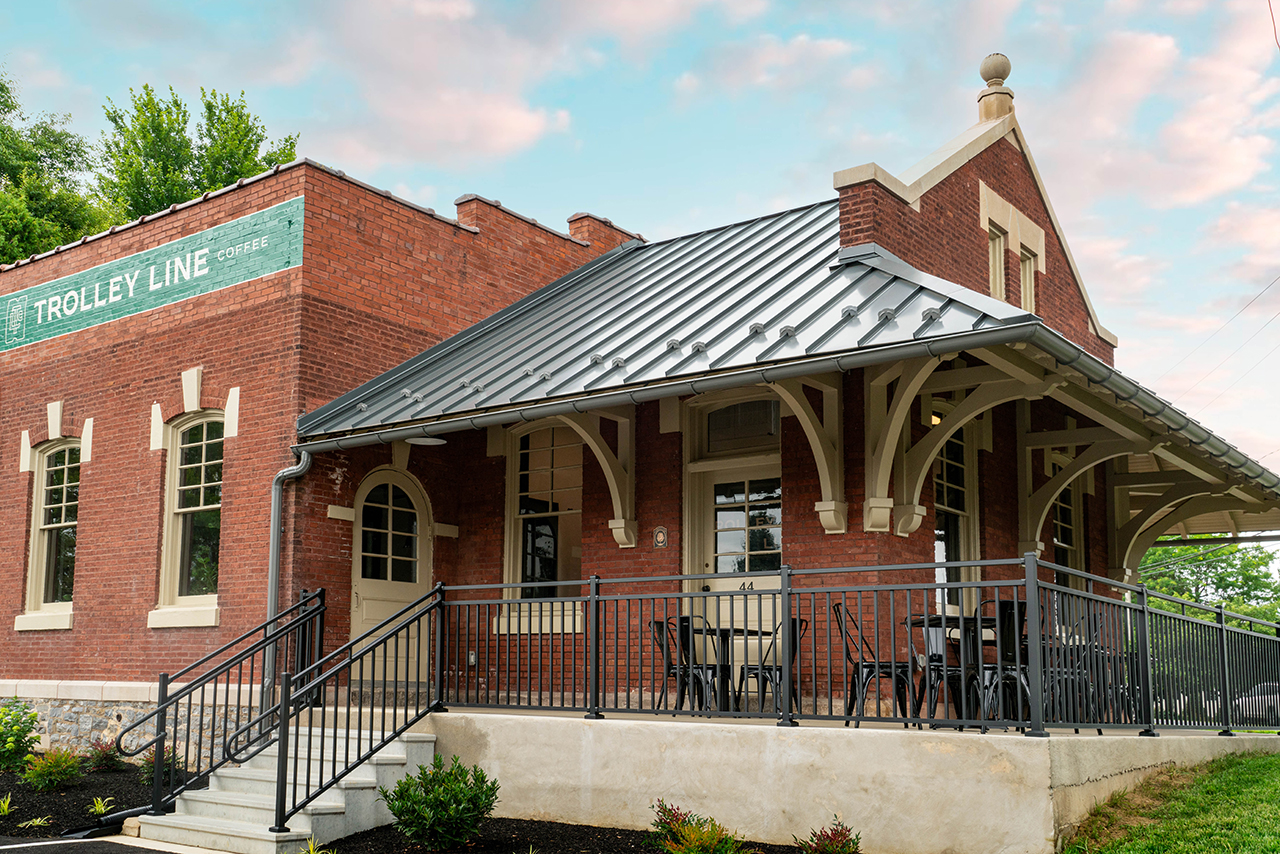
(42, 621)
(539, 617)
(183, 616)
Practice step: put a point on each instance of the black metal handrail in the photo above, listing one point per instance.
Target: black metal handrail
(188, 721)
(307, 769)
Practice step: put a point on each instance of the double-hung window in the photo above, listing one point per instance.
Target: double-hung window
(56, 513)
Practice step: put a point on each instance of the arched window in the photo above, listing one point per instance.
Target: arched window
(391, 547)
(389, 535)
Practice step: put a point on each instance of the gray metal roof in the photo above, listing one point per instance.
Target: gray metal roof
(763, 292)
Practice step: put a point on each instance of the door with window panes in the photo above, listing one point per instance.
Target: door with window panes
(392, 566)
(738, 493)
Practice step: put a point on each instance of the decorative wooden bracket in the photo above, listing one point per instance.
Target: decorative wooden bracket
(619, 469)
(825, 437)
(885, 421)
(1135, 536)
(1035, 507)
(919, 459)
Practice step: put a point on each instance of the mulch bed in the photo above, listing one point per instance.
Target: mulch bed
(68, 808)
(513, 836)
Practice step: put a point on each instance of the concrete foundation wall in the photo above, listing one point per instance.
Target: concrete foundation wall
(905, 792)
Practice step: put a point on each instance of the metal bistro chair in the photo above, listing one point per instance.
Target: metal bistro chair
(769, 670)
(867, 669)
(1008, 691)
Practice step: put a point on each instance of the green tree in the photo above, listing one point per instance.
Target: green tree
(1240, 578)
(42, 204)
(150, 160)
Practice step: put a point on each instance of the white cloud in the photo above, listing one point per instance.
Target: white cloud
(767, 62)
(1116, 275)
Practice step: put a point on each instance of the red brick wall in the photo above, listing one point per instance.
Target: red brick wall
(946, 238)
(380, 281)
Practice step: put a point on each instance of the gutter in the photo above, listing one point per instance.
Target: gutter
(1032, 332)
(277, 527)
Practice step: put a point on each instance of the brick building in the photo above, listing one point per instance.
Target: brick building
(911, 372)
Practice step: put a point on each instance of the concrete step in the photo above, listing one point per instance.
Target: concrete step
(237, 809)
(220, 835)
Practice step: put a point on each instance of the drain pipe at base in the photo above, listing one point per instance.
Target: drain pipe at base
(277, 528)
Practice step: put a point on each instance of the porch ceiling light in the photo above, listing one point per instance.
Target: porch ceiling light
(425, 440)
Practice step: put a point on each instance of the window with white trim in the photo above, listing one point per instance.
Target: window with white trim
(54, 525)
(1028, 268)
(997, 245)
(955, 506)
(190, 555)
(545, 533)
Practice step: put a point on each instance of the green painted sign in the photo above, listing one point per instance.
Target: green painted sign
(242, 250)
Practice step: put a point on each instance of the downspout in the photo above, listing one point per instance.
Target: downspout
(277, 528)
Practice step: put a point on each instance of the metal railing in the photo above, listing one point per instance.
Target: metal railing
(336, 713)
(1025, 644)
(1032, 645)
(194, 716)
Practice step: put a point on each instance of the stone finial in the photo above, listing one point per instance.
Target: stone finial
(995, 101)
(995, 69)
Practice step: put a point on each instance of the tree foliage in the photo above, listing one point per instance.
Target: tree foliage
(1240, 578)
(151, 161)
(42, 204)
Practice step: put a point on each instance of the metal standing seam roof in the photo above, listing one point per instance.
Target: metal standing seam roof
(750, 302)
(768, 290)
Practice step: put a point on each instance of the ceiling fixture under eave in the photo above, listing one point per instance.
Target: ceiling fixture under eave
(425, 440)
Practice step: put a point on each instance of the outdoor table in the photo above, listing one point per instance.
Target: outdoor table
(724, 657)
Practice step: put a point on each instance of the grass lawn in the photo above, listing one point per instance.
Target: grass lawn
(1230, 805)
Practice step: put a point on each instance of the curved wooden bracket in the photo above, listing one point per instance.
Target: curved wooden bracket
(619, 471)
(919, 459)
(1135, 536)
(1036, 508)
(885, 421)
(826, 442)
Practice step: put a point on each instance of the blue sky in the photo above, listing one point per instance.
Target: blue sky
(1154, 122)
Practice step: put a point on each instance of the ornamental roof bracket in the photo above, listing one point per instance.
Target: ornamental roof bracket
(918, 460)
(1034, 508)
(619, 469)
(825, 437)
(1136, 536)
(885, 422)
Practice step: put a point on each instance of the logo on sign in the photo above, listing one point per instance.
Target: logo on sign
(15, 320)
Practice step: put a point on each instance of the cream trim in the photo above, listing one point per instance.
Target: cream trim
(37, 566)
(157, 428)
(346, 514)
(24, 459)
(231, 414)
(191, 378)
(400, 455)
(43, 620)
(496, 441)
(178, 617)
(118, 692)
(54, 413)
(669, 415)
(450, 531)
(86, 441)
(930, 171)
(1023, 234)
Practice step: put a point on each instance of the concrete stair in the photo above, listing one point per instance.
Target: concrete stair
(237, 809)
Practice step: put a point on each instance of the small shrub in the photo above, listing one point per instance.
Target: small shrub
(103, 755)
(678, 831)
(53, 770)
(17, 734)
(441, 807)
(313, 847)
(175, 768)
(6, 804)
(100, 806)
(835, 839)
